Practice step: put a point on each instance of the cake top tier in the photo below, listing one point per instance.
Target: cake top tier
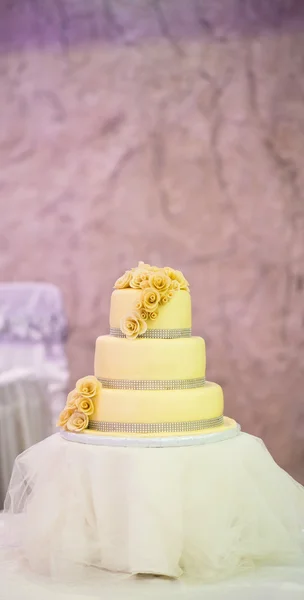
(151, 302)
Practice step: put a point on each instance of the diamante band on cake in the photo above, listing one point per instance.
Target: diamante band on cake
(164, 334)
(152, 384)
(170, 427)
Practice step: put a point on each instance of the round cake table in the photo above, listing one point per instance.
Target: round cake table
(198, 508)
(18, 583)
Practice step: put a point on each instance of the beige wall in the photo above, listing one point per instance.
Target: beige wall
(174, 137)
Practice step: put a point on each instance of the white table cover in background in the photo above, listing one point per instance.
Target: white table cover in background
(24, 419)
(32, 334)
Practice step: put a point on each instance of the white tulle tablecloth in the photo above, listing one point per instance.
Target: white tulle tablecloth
(24, 418)
(18, 583)
(208, 511)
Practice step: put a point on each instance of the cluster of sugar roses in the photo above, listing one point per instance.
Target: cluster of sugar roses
(80, 404)
(157, 288)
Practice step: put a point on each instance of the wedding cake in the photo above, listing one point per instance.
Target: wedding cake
(146, 475)
(149, 371)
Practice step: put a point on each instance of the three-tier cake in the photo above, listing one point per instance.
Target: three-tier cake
(147, 475)
(150, 369)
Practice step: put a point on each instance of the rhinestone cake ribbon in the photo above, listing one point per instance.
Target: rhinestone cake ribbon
(163, 334)
(152, 384)
(171, 427)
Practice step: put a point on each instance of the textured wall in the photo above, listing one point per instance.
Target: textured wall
(170, 132)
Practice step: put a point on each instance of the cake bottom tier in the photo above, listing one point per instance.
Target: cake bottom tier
(167, 412)
(206, 511)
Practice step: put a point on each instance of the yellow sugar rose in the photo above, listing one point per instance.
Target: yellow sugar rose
(85, 405)
(165, 299)
(150, 299)
(143, 314)
(89, 386)
(160, 281)
(136, 280)
(123, 281)
(138, 305)
(177, 276)
(133, 325)
(144, 275)
(138, 277)
(153, 315)
(78, 421)
(146, 267)
(64, 417)
(144, 284)
(175, 285)
(184, 284)
(72, 398)
(170, 272)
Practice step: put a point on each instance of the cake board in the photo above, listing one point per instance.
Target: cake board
(228, 430)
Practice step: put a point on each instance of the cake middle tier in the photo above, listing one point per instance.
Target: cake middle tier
(150, 359)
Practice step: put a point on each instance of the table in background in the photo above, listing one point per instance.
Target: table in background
(25, 418)
(33, 330)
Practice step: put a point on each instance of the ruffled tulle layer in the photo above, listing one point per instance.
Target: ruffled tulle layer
(207, 511)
